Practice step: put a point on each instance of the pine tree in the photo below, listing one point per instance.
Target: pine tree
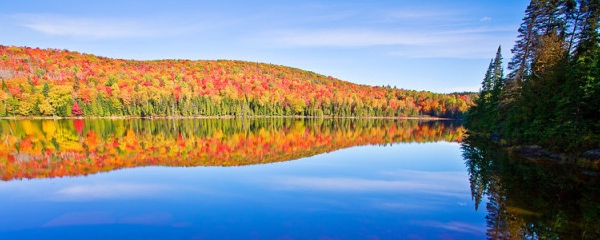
(4, 87)
(478, 116)
(524, 47)
(497, 79)
(542, 17)
(46, 89)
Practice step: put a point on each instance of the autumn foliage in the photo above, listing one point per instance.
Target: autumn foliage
(51, 82)
(76, 147)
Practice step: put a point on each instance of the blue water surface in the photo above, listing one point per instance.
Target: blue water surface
(399, 191)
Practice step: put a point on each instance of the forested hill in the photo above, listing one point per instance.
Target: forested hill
(52, 82)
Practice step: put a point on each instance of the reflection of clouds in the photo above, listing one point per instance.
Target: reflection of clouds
(81, 218)
(454, 226)
(437, 183)
(349, 184)
(456, 179)
(100, 218)
(157, 218)
(398, 206)
(109, 191)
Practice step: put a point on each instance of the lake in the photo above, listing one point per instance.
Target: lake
(278, 178)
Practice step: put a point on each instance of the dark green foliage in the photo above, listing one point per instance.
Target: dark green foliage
(46, 89)
(550, 97)
(4, 87)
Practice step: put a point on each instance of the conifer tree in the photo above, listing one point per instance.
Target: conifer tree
(484, 115)
(4, 87)
(519, 65)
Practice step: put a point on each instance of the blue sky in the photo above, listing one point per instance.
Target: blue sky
(439, 46)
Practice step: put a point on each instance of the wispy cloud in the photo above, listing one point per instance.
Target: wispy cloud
(89, 27)
(468, 43)
(413, 43)
(406, 32)
(468, 49)
(347, 38)
(422, 14)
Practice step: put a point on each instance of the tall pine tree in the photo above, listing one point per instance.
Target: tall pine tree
(484, 115)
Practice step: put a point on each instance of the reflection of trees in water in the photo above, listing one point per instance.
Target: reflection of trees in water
(532, 200)
(54, 148)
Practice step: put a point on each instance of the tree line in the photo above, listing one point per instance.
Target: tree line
(550, 96)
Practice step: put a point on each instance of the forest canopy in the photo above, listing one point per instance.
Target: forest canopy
(52, 82)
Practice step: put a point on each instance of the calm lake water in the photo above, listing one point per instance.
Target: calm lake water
(277, 179)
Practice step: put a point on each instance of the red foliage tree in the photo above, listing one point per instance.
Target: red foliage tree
(76, 110)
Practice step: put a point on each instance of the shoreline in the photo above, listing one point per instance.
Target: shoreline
(538, 153)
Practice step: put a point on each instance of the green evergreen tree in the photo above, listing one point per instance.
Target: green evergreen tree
(478, 116)
(4, 87)
(46, 89)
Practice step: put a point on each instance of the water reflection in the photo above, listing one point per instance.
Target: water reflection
(377, 190)
(532, 199)
(56, 148)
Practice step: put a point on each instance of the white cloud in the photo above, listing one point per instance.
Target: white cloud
(464, 43)
(407, 32)
(350, 38)
(420, 14)
(100, 28)
(82, 27)
(485, 19)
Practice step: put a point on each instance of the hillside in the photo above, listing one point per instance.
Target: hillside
(51, 82)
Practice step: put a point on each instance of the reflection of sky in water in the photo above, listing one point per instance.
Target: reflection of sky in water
(407, 191)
